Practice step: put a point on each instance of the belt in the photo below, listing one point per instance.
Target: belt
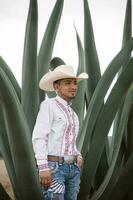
(65, 159)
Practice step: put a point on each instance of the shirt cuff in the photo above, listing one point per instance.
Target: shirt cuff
(42, 165)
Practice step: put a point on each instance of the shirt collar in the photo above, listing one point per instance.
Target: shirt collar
(62, 101)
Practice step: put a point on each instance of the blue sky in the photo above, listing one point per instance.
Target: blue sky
(107, 18)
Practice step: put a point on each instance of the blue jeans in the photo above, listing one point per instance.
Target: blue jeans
(65, 182)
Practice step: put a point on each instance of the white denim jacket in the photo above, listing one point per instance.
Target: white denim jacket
(55, 131)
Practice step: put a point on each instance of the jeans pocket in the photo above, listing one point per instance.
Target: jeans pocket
(53, 166)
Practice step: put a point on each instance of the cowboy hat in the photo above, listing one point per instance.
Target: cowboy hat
(60, 72)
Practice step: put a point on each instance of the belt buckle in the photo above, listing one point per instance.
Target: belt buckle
(69, 159)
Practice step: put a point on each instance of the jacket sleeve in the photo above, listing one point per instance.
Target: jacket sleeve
(41, 133)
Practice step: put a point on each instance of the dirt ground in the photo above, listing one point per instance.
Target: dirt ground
(4, 179)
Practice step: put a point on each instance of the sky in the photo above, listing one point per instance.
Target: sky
(107, 18)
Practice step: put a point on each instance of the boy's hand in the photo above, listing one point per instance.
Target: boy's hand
(79, 162)
(45, 178)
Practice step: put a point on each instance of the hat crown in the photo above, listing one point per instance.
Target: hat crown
(65, 69)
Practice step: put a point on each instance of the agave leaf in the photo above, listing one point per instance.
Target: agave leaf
(4, 144)
(30, 95)
(127, 34)
(46, 49)
(95, 194)
(55, 62)
(129, 136)
(81, 54)
(6, 155)
(79, 101)
(101, 169)
(91, 57)
(11, 77)
(20, 141)
(120, 131)
(99, 94)
(103, 124)
(103, 193)
(126, 176)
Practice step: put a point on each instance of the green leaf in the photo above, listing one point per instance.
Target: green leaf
(30, 95)
(46, 49)
(103, 125)
(127, 33)
(11, 77)
(79, 102)
(99, 95)
(91, 57)
(117, 144)
(103, 193)
(55, 62)
(125, 181)
(6, 154)
(129, 135)
(20, 141)
(101, 169)
(4, 143)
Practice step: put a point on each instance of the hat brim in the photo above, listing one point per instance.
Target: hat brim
(46, 82)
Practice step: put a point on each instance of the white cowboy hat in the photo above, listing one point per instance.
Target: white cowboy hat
(60, 72)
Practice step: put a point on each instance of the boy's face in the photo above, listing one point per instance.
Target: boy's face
(66, 88)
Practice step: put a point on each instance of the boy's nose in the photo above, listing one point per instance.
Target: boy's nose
(74, 86)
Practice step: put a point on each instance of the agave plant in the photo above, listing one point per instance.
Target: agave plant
(101, 174)
(106, 167)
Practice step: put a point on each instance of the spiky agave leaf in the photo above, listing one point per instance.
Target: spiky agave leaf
(120, 131)
(127, 34)
(79, 102)
(55, 62)
(46, 49)
(30, 90)
(19, 141)
(6, 154)
(103, 124)
(99, 95)
(126, 176)
(11, 77)
(4, 143)
(91, 57)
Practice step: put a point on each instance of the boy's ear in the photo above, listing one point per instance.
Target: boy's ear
(56, 86)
